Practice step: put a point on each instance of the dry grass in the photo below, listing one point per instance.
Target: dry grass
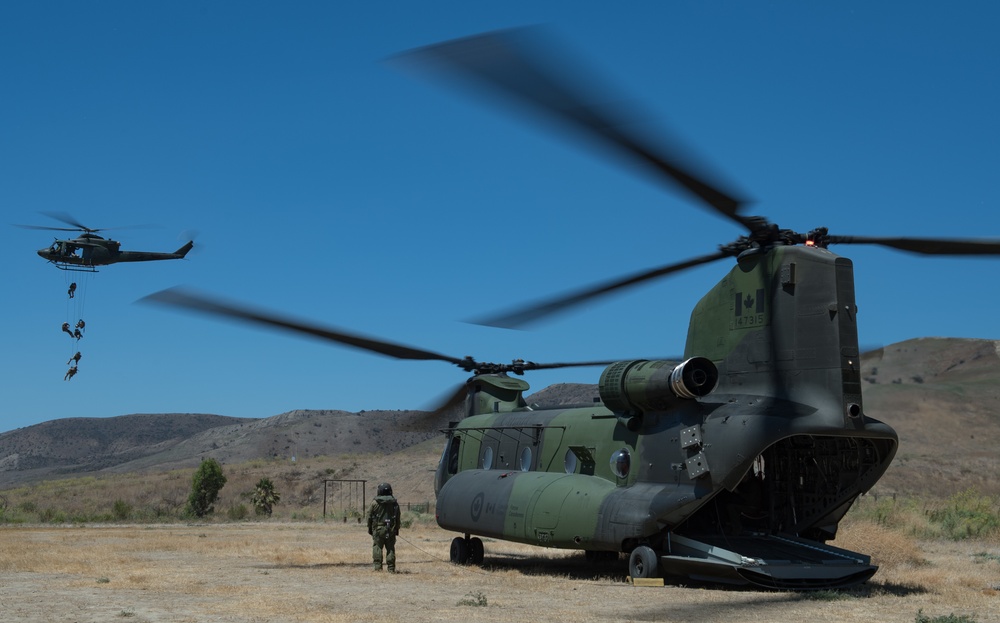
(960, 576)
(888, 548)
(315, 571)
(161, 496)
(311, 570)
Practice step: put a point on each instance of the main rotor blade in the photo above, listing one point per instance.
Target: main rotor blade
(512, 63)
(520, 317)
(78, 226)
(46, 228)
(69, 220)
(179, 297)
(926, 246)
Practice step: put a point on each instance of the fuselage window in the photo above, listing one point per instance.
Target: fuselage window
(453, 455)
(488, 458)
(569, 462)
(621, 462)
(525, 459)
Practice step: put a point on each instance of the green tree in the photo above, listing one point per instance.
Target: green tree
(205, 487)
(264, 497)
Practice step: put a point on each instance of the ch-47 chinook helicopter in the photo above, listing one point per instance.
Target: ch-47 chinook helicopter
(734, 463)
(88, 250)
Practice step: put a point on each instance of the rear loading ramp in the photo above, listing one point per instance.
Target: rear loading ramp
(781, 562)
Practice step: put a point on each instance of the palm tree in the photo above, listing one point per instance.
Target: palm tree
(264, 497)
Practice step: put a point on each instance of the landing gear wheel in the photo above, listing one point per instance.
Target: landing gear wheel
(644, 563)
(476, 551)
(459, 551)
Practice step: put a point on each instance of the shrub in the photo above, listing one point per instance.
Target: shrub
(477, 599)
(122, 510)
(826, 595)
(967, 515)
(205, 487)
(51, 515)
(948, 618)
(28, 507)
(238, 512)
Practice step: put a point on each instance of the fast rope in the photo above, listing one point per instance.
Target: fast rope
(74, 324)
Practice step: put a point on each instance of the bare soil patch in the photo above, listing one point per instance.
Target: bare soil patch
(316, 571)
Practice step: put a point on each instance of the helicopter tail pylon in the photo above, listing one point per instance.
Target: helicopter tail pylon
(184, 250)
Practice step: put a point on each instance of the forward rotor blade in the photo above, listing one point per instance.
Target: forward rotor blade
(435, 416)
(521, 317)
(576, 364)
(456, 396)
(178, 297)
(450, 401)
(512, 63)
(926, 246)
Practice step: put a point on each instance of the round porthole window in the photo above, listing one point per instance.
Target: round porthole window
(621, 462)
(488, 458)
(525, 459)
(570, 461)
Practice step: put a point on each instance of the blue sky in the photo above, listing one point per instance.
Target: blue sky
(327, 184)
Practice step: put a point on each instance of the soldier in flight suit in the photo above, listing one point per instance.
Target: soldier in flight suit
(383, 525)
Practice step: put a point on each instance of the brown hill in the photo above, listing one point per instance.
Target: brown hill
(80, 446)
(941, 395)
(562, 394)
(943, 398)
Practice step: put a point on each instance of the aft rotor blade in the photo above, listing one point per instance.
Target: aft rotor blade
(532, 313)
(178, 297)
(926, 246)
(513, 63)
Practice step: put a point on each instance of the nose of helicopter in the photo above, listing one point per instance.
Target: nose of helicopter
(43, 253)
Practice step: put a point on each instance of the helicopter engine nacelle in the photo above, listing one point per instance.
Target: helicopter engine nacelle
(635, 387)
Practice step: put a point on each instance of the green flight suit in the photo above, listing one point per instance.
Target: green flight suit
(383, 525)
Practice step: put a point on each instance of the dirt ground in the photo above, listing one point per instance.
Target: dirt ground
(322, 572)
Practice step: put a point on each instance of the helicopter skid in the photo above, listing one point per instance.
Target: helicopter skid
(778, 562)
(79, 268)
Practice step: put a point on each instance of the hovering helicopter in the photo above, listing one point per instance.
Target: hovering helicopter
(734, 463)
(88, 250)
